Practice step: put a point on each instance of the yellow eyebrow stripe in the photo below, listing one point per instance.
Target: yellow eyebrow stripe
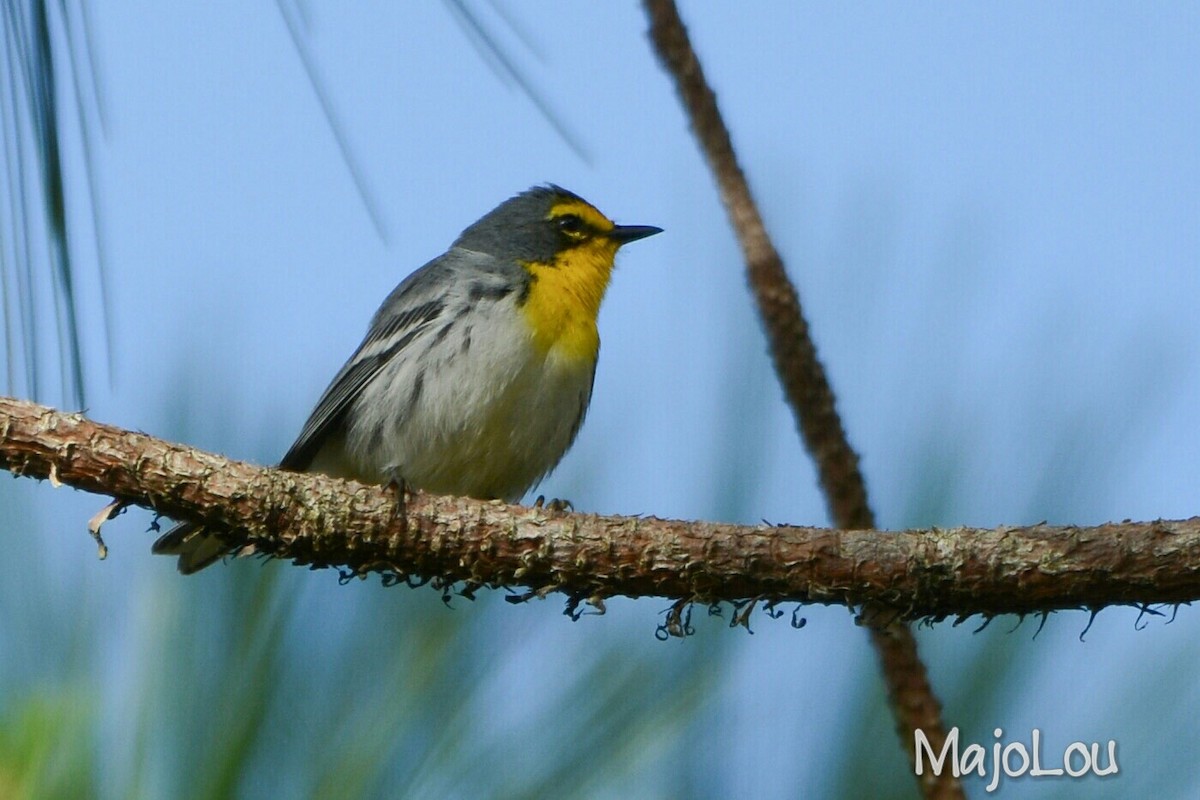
(584, 211)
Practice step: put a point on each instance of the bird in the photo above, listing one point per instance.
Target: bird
(475, 373)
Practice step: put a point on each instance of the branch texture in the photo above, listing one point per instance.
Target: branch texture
(312, 519)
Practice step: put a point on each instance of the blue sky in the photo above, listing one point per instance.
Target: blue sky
(992, 214)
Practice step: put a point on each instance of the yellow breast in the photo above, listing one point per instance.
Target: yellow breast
(564, 299)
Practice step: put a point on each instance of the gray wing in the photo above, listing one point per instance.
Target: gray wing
(408, 310)
(412, 307)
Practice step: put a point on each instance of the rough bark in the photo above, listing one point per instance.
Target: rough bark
(321, 521)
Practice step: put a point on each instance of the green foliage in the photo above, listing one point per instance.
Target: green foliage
(46, 749)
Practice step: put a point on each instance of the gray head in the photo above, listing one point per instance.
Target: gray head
(538, 224)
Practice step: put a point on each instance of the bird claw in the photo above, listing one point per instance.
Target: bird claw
(400, 487)
(555, 506)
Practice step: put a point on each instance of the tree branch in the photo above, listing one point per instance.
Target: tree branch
(313, 519)
(792, 349)
(804, 382)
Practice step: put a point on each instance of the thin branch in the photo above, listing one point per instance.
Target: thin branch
(792, 349)
(804, 380)
(321, 521)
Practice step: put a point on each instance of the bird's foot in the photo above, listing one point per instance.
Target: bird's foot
(555, 506)
(400, 487)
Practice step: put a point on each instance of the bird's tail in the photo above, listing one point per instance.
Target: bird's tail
(195, 547)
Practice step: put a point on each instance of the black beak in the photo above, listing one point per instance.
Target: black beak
(624, 234)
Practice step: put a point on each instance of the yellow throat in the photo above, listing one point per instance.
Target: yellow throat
(564, 297)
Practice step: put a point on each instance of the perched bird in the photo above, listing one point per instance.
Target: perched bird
(475, 373)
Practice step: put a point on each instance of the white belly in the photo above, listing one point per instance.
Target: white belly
(490, 418)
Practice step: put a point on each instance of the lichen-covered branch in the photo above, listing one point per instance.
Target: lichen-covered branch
(316, 520)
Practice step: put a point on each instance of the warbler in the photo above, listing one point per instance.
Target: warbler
(475, 373)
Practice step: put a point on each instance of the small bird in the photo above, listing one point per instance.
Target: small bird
(477, 370)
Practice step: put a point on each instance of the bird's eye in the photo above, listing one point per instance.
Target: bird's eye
(572, 225)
